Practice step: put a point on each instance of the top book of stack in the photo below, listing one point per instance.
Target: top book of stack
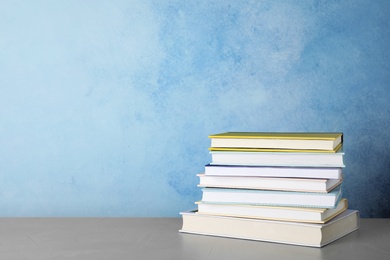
(277, 141)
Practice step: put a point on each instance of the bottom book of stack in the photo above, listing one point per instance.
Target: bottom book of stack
(286, 232)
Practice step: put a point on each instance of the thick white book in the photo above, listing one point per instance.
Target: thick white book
(298, 159)
(294, 233)
(264, 183)
(295, 214)
(272, 198)
(274, 171)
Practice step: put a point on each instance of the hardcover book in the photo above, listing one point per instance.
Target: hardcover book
(294, 233)
(295, 214)
(274, 171)
(304, 159)
(272, 198)
(264, 183)
(278, 140)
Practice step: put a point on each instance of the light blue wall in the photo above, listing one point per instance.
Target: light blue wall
(105, 106)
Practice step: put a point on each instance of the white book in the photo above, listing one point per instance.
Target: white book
(264, 183)
(303, 159)
(295, 214)
(274, 171)
(272, 198)
(294, 233)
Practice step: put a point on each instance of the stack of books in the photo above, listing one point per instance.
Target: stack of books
(275, 187)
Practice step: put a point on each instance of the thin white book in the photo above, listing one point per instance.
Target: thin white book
(274, 171)
(294, 233)
(272, 198)
(264, 183)
(298, 159)
(295, 214)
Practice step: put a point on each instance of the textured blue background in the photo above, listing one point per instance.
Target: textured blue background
(105, 106)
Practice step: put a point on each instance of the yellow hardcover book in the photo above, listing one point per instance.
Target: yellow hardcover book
(326, 141)
(239, 149)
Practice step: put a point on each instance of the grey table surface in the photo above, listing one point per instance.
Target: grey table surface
(158, 238)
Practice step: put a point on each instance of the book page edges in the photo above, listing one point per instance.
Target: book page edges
(268, 189)
(246, 238)
(195, 211)
(323, 221)
(347, 231)
(329, 189)
(319, 210)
